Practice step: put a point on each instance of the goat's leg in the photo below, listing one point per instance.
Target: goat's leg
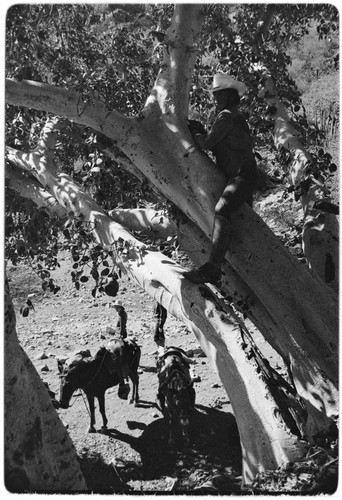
(135, 392)
(101, 400)
(124, 388)
(184, 423)
(92, 413)
(161, 398)
(171, 431)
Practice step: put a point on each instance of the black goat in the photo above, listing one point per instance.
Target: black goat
(94, 375)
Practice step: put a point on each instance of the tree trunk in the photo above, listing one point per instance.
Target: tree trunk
(39, 454)
(304, 308)
(306, 366)
(266, 439)
(320, 229)
(217, 328)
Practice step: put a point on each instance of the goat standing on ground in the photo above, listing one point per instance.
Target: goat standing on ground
(176, 392)
(94, 375)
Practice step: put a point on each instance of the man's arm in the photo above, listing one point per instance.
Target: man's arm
(219, 130)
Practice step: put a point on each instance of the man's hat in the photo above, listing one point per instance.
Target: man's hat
(118, 303)
(222, 81)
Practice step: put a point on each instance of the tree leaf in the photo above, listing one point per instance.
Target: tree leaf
(112, 288)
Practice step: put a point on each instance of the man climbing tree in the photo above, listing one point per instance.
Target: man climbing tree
(230, 141)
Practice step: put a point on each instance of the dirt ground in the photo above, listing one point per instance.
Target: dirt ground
(133, 456)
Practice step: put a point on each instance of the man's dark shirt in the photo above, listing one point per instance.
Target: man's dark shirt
(230, 141)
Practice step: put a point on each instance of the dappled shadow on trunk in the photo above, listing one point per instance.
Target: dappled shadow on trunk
(214, 449)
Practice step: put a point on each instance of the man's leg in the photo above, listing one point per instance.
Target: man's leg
(210, 272)
(220, 240)
(233, 196)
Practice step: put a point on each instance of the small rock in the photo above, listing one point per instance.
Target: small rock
(155, 415)
(215, 386)
(44, 368)
(42, 355)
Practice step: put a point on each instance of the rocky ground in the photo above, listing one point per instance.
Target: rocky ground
(133, 455)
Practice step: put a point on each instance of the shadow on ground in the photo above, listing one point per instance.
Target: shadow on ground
(214, 452)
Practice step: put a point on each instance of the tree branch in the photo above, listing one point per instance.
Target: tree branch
(184, 34)
(172, 86)
(265, 22)
(124, 162)
(31, 189)
(320, 244)
(61, 102)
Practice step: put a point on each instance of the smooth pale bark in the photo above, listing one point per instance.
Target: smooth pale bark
(196, 245)
(294, 298)
(170, 94)
(30, 188)
(303, 358)
(39, 454)
(266, 441)
(151, 222)
(320, 229)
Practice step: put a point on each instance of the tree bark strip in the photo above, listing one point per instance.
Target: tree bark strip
(320, 229)
(39, 454)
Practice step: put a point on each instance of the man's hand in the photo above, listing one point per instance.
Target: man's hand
(196, 127)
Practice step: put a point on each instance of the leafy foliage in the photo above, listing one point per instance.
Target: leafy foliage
(31, 236)
(89, 258)
(106, 52)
